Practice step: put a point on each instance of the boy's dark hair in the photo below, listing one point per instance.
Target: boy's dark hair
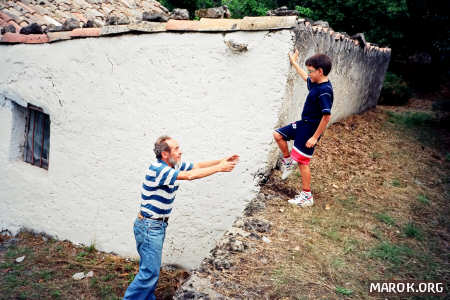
(161, 145)
(319, 61)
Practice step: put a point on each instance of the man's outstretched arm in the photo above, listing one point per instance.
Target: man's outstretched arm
(224, 165)
(210, 163)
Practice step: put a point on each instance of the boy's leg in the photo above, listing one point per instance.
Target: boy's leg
(281, 136)
(282, 144)
(305, 173)
(302, 155)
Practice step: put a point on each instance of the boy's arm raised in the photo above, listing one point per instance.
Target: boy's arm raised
(293, 59)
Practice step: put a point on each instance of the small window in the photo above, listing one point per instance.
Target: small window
(37, 137)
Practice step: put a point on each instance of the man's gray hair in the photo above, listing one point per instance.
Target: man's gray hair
(161, 145)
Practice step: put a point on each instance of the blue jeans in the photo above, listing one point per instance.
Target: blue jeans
(149, 236)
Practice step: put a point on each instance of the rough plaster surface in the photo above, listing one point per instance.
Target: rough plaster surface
(110, 98)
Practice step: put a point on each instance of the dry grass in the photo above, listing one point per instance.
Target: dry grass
(381, 188)
(381, 212)
(46, 272)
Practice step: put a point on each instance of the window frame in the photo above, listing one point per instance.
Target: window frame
(38, 113)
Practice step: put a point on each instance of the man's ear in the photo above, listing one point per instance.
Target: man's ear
(165, 155)
(320, 70)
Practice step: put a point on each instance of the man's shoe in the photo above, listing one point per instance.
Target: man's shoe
(303, 199)
(287, 166)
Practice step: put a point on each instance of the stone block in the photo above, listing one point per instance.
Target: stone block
(219, 24)
(266, 23)
(179, 14)
(58, 36)
(148, 26)
(213, 12)
(114, 29)
(182, 25)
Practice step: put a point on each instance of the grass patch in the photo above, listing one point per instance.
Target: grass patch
(90, 249)
(56, 294)
(81, 256)
(385, 218)
(395, 254)
(423, 199)
(15, 252)
(411, 230)
(333, 235)
(350, 246)
(396, 183)
(45, 275)
(410, 119)
(337, 263)
(349, 202)
(343, 291)
(108, 277)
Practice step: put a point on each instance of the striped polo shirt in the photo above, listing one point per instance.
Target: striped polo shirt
(159, 188)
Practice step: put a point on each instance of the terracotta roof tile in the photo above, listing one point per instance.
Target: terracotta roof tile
(85, 32)
(51, 21)
(119, 16)
(11, 22)
(5, 17)
(24, 38)
(79, 17)
(26, 7)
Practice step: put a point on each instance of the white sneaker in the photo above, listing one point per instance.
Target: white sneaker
(303, 199)
(287, 166)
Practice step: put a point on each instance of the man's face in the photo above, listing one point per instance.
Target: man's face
(174, 156)
(314, 74)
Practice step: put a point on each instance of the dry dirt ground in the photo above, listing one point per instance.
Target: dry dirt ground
(381, 188)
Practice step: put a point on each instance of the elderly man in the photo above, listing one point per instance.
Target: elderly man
(157, 197)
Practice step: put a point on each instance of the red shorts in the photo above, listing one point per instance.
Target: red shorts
(298, 157)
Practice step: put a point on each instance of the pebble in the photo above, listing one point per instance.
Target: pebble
(266, 240)
(78, 276)
(20, 259)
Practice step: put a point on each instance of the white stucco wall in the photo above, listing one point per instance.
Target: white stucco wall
(108, 100)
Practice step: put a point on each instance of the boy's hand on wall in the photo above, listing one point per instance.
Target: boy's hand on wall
(311, 142)
(293, 57)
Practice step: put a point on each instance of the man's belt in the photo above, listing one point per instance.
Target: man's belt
(164, 219)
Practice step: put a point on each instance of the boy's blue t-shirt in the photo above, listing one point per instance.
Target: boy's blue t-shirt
(318, 102)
